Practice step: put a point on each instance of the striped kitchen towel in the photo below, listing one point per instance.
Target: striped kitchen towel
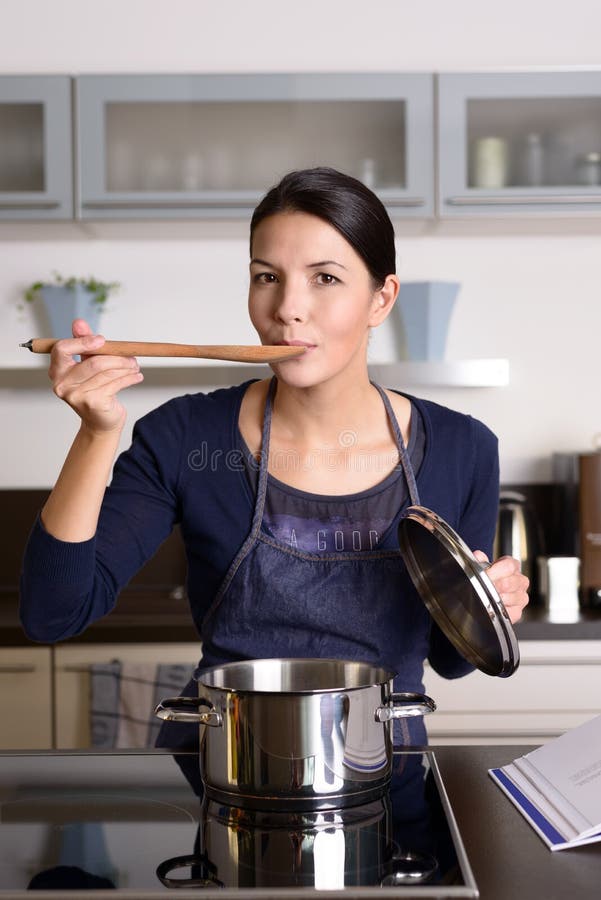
(123, 697)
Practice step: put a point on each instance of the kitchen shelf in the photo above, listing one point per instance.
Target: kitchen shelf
(423, 373)
(444, 373)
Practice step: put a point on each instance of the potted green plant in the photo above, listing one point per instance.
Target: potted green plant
(65, 299)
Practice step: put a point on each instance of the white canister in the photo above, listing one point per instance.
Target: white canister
(368, 172)
(491, 163)
(192, 172)
(559, 585)
(589, 169)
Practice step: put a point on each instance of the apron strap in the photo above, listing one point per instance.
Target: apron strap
(403, 454)
(264, 459)
(255, 527)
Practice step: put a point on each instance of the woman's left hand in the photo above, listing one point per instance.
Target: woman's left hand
(511, 585)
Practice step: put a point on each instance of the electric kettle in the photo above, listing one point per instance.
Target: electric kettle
(519, 534)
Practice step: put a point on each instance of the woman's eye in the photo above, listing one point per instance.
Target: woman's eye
(265, 278)
(325, 278)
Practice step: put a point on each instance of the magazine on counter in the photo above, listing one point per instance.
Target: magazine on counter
(557, 787)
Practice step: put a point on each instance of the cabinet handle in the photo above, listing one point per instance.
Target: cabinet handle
(216, 203)
(523, 200)
(489, 733)
(168, 204)
(29, 204)
(17, 669)
(566, 661)
(554, 661)
(403, 201)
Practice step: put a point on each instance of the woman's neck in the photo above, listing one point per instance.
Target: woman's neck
(320, 415)
(339, 436)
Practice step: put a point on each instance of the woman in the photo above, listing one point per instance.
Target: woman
(288, 490)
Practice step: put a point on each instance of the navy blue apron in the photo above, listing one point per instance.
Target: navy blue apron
(277, 601)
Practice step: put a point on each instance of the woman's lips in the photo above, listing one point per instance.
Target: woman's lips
(306, 344)
(308, 348)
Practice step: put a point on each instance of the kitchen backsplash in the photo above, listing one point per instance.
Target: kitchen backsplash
(165, 572)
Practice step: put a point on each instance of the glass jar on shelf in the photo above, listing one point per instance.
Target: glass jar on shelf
(490, 163)
(589, 169)
(533, 162)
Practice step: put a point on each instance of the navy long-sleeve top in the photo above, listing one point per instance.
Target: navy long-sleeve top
(185, 466)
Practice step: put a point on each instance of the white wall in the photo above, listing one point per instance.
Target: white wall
(528, 294)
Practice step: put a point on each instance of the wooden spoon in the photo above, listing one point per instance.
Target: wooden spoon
(232, 352)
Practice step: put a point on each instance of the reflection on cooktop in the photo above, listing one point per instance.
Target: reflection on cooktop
(138, 821)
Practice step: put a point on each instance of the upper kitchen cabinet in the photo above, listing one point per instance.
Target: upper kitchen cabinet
(194, 146)
(36, 179)
(519, 144)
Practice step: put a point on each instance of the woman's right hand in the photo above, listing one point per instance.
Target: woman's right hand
(91, 386)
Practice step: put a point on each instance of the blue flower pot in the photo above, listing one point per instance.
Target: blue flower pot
(423, 314)
(63, 304)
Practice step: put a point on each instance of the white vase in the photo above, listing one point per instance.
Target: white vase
(423, 313)
(63, 304)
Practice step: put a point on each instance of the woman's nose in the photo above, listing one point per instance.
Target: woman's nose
(290, 307)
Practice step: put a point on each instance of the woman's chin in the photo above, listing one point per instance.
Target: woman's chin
(304, 376)
(290, 372)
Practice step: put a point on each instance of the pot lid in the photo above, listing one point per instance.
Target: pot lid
(458, 593)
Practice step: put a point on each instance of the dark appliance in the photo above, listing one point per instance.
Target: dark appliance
(135, 824)
(589, 516)
(519, 534)
(577, 479)
(566, 478)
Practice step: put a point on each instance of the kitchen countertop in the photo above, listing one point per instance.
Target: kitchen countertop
(507, 858)
(536, 625)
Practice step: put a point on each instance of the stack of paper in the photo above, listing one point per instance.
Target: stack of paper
(557, 787)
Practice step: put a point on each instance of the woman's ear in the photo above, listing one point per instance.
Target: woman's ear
(383, 300)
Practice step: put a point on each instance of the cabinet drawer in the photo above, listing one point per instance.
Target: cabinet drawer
(555, 688)
(72, 680)
(26, 698)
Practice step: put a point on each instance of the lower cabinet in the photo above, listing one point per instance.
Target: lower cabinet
(555, 688)
(72, 680)
(45, 693)
(26, 698)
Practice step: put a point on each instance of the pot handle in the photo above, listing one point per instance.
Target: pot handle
(407, 868)
(206, 877)
(187, 709)
(400, 706)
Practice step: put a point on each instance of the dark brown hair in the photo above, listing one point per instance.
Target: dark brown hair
(346, 204)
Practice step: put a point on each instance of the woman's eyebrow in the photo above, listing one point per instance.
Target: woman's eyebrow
(261, 262)
(326, 262)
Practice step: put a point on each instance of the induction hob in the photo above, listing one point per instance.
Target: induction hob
(133, 824)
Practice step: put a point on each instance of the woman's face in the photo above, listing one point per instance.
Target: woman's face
(308, 286)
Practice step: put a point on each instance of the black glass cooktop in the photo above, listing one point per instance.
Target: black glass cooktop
(135, 825)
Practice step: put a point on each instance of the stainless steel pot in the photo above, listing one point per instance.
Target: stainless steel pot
(285, 849)
(327, 850)
(313, 733)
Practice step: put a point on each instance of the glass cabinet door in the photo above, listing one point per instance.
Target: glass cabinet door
(172, 146)
(36, 175)
(519, 143)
